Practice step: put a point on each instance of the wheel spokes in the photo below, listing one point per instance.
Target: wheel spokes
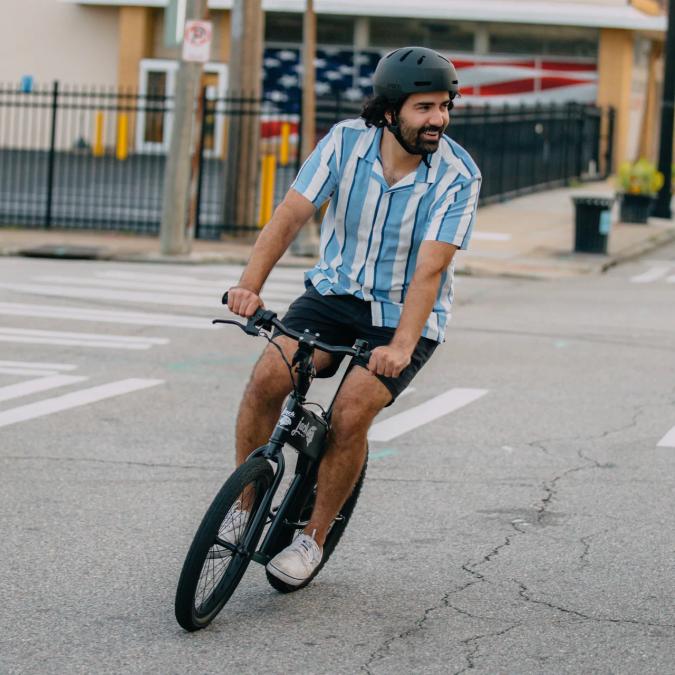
(224, 549)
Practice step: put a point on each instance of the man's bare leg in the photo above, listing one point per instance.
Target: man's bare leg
(362, 396)
(260, 406)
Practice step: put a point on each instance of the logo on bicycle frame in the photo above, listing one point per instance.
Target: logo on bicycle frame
(304, 430)
(286, 418)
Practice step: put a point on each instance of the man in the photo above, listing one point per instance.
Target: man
(402, 200)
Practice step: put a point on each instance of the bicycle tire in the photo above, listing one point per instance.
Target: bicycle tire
(332, 539)
(204, 548)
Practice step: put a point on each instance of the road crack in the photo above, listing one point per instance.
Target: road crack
(472, 652)
(524, 594)
(382, 650)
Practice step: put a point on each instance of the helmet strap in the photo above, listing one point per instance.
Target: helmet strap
(395, 129)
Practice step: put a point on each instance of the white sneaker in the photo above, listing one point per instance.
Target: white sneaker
(297, 562)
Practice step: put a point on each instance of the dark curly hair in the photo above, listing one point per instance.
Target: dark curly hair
(374, 109)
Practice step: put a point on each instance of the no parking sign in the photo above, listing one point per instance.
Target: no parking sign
(197, 41)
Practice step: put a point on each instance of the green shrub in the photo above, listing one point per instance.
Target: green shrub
(639, 178)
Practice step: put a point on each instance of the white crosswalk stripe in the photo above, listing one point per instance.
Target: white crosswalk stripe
(39, 384)
(658, 271)
(426, 412)
(33, 336)
(74, 400)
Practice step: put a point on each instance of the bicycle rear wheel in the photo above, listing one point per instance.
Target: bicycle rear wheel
(213, 567)
(334, 534)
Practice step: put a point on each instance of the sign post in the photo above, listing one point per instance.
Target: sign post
(176, 228)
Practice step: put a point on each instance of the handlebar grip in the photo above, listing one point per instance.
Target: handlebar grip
(224, 300)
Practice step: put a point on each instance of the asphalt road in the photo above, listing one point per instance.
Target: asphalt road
(528, 531)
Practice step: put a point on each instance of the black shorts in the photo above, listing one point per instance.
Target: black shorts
(340, 320)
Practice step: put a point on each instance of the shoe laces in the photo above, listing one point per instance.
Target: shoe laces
(305, 545)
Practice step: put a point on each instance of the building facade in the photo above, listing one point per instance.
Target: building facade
(515, 52)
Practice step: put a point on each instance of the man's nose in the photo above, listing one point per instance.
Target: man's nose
(438, 118)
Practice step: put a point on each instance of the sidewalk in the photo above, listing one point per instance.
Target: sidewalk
(531, 236)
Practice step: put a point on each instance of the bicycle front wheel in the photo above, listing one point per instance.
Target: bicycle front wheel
(213, 566)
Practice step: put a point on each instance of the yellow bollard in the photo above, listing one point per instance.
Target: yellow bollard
(269, 167)
(285, 143)
(98, 150)
(122, 136)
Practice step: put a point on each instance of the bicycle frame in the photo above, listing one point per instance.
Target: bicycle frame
(307, 433)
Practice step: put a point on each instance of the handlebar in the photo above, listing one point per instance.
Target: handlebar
(266, 319)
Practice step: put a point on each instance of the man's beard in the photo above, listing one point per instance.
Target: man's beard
(413, 137)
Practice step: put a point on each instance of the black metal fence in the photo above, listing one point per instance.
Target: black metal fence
(94, 158)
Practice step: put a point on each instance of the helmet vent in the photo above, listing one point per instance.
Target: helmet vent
(392, 53)
(406, 55)
(422, 83)
(421, 58)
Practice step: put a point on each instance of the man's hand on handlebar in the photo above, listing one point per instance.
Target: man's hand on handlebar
(243, 301)
(388, 360)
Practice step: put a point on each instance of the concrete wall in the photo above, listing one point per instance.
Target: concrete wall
(50, 40)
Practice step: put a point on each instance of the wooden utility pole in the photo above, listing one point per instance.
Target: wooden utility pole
(305, 243)
(245, 92)
(177, 173)
(308, 81)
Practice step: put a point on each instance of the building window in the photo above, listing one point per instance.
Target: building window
(286, 28)
(334, 30)
(543, 40)
(446, 36)
(283, 28)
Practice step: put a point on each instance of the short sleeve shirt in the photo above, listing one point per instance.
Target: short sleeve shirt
(371, 232)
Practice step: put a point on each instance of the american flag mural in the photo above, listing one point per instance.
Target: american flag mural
(346, 74)
(483, 81)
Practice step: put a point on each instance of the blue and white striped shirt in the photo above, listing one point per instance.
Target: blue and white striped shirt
(371, 232)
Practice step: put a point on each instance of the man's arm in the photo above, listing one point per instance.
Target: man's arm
(432, 260)
(293, 212)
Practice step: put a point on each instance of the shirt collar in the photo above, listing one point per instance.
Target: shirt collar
(370, 151)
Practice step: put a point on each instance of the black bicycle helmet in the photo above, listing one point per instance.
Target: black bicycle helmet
(413, 70)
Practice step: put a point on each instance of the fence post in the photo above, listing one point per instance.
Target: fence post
(200, 161)
(609, 152)
(52, 155)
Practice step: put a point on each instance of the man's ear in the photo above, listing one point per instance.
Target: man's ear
(389, 117)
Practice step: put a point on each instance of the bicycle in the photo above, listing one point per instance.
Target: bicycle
(214, 566)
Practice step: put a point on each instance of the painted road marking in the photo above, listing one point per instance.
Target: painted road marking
(26, 371)
(74, 400)
(34, 364)
(668, 441)
(129, 296)
(653, 274)
(441, 405)
(31, 336)
(105, 316)
(166, 282)
(40, 384)
(382, 454)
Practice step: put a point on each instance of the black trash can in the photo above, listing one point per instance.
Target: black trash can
(593, 221)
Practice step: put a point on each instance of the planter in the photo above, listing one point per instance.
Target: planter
(635, 208)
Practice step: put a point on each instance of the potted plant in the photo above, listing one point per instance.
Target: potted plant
(638, 184)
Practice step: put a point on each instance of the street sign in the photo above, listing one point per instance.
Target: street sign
(197, 41)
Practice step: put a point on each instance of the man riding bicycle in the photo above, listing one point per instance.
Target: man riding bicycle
(403, 199)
